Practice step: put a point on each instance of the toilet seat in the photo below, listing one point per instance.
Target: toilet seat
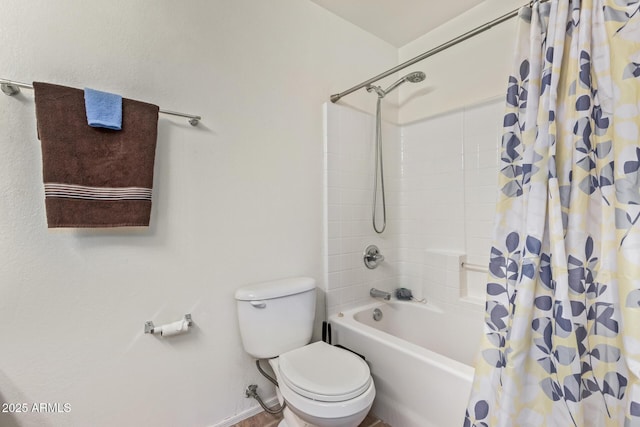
(324, 373)
(301, 405)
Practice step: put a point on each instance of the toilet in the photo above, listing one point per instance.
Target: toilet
(322, 385)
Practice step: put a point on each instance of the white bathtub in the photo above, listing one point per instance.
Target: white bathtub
(420, 357)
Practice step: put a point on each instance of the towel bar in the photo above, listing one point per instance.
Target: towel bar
(10, 88)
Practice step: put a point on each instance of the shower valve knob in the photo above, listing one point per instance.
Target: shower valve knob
(372, 256)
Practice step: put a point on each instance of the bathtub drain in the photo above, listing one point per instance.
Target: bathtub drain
(377, 314)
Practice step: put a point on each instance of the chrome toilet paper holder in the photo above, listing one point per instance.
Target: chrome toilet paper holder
(149, 327)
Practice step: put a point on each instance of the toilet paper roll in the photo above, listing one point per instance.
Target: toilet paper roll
(175, 328)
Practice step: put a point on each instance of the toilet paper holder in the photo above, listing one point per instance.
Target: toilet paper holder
(150, 328)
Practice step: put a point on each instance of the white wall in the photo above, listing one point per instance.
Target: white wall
(470, 72)
(236, 200)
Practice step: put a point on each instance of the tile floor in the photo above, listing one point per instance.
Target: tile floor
(265, 420)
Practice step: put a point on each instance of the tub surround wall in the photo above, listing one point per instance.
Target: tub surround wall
(449, 176)
(443, 280)
(441, 203)
(349, 174)
(481, 145)
(432, 177)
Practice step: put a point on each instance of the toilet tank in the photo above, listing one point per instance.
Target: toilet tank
(276, 316)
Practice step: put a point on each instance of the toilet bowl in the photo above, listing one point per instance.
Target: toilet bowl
(322, 385)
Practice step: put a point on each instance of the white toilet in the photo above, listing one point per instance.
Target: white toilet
(322, 385)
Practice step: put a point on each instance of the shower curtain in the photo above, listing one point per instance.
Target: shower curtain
(562, 322)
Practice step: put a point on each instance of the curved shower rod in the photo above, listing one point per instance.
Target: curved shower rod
(11, 88)
(472, 33)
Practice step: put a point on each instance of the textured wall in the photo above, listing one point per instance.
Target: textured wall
(236, 200)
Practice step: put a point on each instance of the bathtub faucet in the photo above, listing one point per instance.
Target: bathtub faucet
(377, 293)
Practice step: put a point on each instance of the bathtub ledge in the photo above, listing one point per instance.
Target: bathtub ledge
(472, 303)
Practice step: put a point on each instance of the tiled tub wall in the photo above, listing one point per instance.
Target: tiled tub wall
(441, 181)
(482, 140)
(349, 174)
(449, 189)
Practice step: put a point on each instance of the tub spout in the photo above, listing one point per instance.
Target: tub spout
(377, 293)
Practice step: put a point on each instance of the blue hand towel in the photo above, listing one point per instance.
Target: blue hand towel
(104, 110)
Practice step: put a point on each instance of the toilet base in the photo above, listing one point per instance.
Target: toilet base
(291, 419)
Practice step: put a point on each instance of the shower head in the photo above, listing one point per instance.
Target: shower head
(415, 77)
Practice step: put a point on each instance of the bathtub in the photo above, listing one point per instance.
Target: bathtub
(420, 356)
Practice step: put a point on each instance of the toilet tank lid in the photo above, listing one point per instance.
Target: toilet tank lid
(275, 288)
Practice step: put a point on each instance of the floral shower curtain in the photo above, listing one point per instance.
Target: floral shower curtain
(562, 323)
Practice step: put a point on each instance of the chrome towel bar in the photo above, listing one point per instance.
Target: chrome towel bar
(11, 87)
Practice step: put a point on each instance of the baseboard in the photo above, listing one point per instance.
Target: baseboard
(246, 414)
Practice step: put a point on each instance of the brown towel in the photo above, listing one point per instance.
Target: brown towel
(95, 177)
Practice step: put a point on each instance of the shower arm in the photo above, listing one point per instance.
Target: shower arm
(393, 86)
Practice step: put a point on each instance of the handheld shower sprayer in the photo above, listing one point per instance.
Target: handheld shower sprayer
(415, 77)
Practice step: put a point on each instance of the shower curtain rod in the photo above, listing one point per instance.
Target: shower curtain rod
(10, 87)
(472, 33)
